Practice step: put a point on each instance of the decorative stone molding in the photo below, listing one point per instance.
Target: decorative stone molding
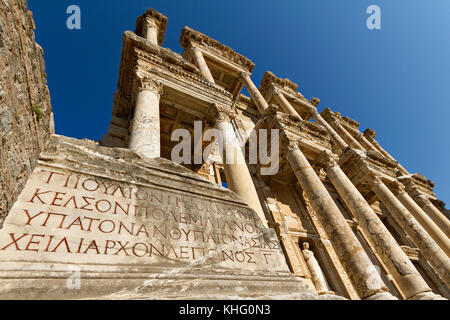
(188, 35)
(370, 134)
(150, 84)
(288, 142)
(315, 101)
(244, 75)
(371, 178)
(217, 113)
(422, 200)
(397, 188)
(269, 79)
(162, 62)
(327, 159)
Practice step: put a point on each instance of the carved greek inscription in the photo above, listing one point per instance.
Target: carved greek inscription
(77, 215)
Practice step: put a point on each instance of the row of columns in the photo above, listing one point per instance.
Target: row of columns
(404, 272)
(356, 262)
(433, 221)
(414, 230)
(407, 277)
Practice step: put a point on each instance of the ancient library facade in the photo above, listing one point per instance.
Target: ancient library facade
(326, 213)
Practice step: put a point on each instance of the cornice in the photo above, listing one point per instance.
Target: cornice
(269, 79)
(188, 35)
(357, 164)
(274, 119)
(137, 52)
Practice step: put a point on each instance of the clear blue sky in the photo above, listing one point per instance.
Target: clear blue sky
(395, 80)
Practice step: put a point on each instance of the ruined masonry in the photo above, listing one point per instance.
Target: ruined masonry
(341, 219)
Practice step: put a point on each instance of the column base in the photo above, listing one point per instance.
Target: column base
(427, 296)
(381, 296)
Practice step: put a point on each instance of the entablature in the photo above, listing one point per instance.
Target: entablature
(359, 166)
(224, 63)
(312, 138)
(271, 83)
(417, 184)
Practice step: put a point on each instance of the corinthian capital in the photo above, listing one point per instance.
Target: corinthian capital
(422, 200)
(327, 159)
(217, 113)
(288, 143)
(150, 84)
(371, 178)
(397, 188)
(244, 75)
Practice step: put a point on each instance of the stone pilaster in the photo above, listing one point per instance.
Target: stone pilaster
(357, 264)
(238, 176)
(145, 130)
(406, 275)
(427, 223)
(259, 100)
(428, 247)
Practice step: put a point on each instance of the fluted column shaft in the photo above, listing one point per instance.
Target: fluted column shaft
(408, 278)
(428, 247)
(236, 171)
(427, 223)
(435, 214)
(259, 100)
(145, 132)
(201, 64)
(353, 257)
(287, 107)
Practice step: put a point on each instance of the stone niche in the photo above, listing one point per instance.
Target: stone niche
(102, 223)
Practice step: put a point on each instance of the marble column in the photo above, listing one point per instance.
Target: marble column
(366, 143)
(346, 135)
(356, 262)
(335, 137)
(406, 275)
(238, 176)
(151, 30)
(438, 217)
(201, 64)
(427, 223)
(145, 131)
(287, 107)
(428, 247)
(257, 97)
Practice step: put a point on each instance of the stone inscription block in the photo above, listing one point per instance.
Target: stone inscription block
(63, 216)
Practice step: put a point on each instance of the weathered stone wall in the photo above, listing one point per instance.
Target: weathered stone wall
(26, 119)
